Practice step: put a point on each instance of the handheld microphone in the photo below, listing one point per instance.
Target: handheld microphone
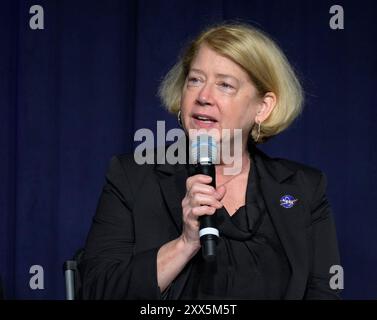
(204, 155)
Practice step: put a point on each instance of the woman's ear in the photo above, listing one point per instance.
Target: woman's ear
(267, 104)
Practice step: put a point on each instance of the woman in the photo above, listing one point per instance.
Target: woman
(277, 236)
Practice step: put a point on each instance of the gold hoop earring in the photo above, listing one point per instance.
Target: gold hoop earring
(179, 118)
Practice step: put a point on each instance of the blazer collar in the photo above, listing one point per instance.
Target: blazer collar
(268, 166)
(172, 180)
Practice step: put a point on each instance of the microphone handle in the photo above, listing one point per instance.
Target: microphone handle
(208, 226)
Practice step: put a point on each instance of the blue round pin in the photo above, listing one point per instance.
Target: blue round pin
(287, 201)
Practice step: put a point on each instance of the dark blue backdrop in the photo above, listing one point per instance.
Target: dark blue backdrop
(73, 94)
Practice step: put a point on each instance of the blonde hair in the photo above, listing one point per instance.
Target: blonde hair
(264, 62)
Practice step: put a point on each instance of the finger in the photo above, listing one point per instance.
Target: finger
(220, 192)
(200, 178)
(202, 210)
(200, 199)
(202, 188)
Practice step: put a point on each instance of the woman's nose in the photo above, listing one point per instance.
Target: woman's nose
(205, 96)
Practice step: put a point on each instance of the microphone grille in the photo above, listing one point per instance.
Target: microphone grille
(204, 149)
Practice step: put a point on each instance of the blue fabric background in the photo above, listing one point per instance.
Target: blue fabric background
(73, 94)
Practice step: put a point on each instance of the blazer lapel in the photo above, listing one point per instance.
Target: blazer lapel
(289, 222)
(172, 183)
(172, 180)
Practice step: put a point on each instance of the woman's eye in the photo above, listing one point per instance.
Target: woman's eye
(226, 85)
(193, 80)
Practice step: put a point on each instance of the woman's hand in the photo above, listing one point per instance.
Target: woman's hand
(200, 199)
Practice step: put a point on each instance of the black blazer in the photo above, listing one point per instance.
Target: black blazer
(140, 210)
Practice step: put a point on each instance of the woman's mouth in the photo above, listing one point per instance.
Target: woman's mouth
(204, 121)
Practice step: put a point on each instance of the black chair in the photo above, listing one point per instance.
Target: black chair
(72, 276)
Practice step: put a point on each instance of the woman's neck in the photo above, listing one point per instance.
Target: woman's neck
(236, 167)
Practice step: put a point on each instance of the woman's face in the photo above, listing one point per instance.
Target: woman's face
(218, 94)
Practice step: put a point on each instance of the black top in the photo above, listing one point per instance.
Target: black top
(251, 263)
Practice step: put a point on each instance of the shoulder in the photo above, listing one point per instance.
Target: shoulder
(310, 179)
(310, 172)
(125, 165)
(127, 162)
(277, 165)
(306, 172)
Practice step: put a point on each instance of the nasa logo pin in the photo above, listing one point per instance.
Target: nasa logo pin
(287, 201)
